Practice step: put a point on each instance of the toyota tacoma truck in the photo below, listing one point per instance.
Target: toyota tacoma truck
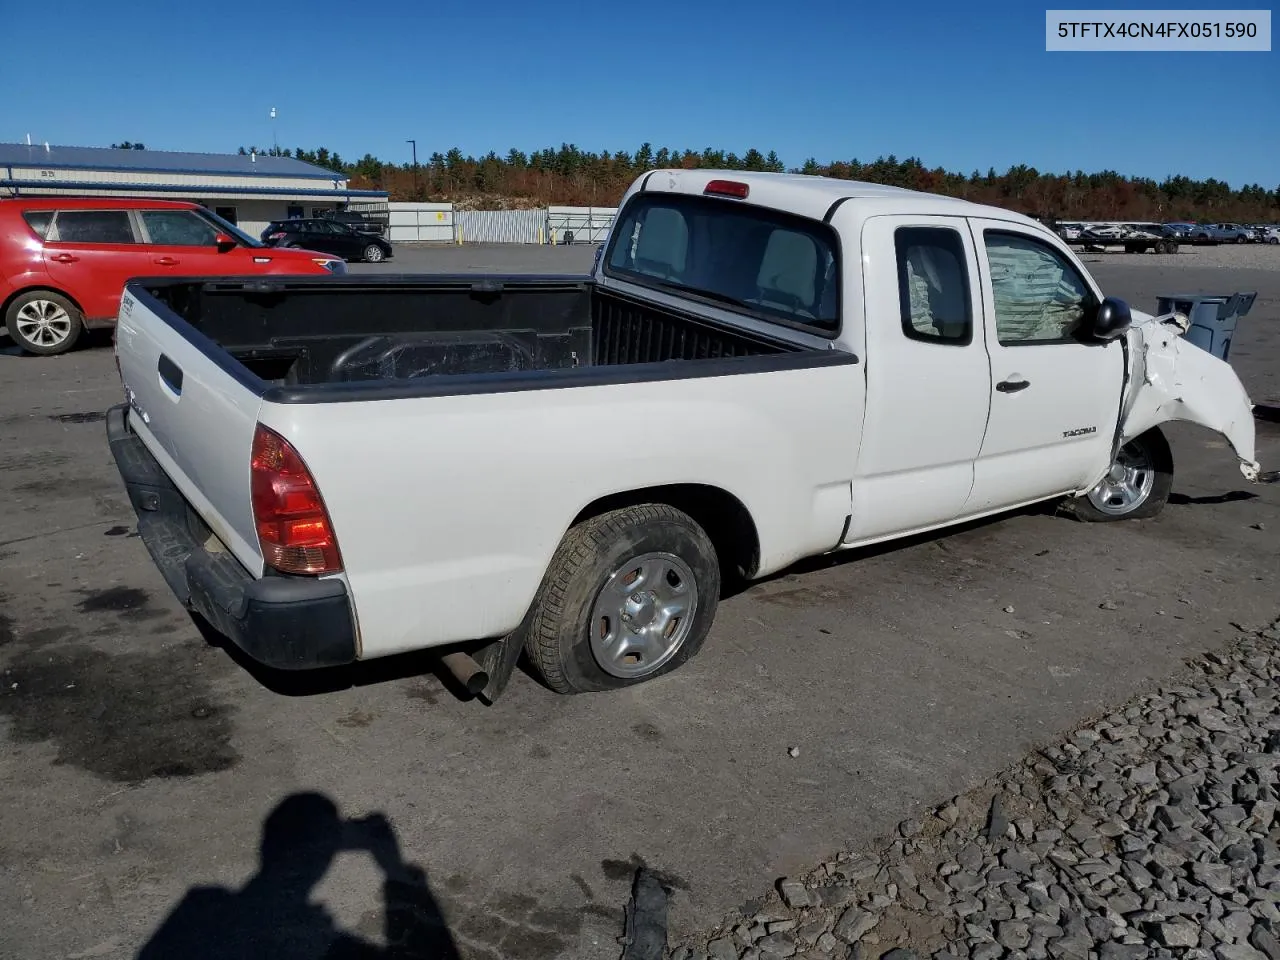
(759, 368)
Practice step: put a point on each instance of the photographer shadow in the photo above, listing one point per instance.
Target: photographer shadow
(271, 916)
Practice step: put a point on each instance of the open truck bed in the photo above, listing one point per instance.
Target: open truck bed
(356, 337)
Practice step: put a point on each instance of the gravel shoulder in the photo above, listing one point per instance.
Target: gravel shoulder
(1151, 832)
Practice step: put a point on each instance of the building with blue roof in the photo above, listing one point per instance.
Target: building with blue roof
(250, 190)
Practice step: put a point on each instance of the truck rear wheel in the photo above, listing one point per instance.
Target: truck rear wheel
(1136, 486)
(629, 596)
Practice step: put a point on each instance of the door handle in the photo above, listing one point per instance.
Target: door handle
(64, 258)
(1012, 386)
(166, 261)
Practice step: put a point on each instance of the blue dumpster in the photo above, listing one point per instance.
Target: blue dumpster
(1213, 317)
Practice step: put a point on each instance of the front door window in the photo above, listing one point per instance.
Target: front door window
(1038, 297)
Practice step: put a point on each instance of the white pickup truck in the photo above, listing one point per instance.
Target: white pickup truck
(760, 368)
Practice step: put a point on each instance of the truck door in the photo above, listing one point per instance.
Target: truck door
(928, 376)
(1055, 399)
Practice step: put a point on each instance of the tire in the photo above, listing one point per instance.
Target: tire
(579, 610)
(1273, 239)
(44, 323)
(373, 254)
(1143, 491)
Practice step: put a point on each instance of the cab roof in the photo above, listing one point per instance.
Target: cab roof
(815, 197)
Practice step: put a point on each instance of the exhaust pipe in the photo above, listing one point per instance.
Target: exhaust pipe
(466, 671)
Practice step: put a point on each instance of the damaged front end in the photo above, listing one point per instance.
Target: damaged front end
(1172, 379)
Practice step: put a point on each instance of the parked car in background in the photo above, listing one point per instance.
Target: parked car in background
(330, 236)
(1221, 232)
(1269, 234)
(64, 260)
(356, 221)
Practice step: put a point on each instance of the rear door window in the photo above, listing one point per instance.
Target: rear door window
(93, 226)
(763, 262)
(39, 221)
(933, 285)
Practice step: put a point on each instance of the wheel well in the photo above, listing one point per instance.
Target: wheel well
(727, 521)
(4, 307)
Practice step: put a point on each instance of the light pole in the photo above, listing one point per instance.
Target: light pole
(414, 143)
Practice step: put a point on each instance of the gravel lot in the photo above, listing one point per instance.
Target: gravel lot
(1249, 256)
(140, 765)
(1150, 833)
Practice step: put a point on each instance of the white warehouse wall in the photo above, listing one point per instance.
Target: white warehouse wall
(252, 216)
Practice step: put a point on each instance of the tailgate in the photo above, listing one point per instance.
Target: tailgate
(195, 407)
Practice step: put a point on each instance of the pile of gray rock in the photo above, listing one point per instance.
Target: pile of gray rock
(1149, 833)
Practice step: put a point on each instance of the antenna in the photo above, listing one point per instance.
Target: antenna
(274, 143)
(28, 139)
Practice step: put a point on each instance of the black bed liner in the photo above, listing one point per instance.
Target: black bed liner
(387, 337)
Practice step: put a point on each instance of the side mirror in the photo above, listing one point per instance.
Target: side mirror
(225, 242)
(1111, 320)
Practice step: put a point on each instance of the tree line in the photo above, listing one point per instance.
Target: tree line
(574, 176)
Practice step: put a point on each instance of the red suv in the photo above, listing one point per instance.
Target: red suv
(64, 261)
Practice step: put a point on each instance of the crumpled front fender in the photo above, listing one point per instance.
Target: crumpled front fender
(1171, 379)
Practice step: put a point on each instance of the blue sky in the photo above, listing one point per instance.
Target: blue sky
(959, 85)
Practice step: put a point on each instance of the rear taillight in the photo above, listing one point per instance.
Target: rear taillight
(293, 526)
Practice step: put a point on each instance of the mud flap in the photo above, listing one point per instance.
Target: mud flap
(1171, 379)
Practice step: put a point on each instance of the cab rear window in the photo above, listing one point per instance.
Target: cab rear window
(762, 262)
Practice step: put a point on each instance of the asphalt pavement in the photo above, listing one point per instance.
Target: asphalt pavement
(140, 765)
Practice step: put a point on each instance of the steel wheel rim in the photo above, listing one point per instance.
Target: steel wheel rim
(43, 323)
(642, 615)
(373, 254)
(1128, 482)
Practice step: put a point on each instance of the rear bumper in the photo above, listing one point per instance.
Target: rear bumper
(289, 623)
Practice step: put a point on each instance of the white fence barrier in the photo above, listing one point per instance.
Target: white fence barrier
(441, 223)
(502, 226)
(418, 222)
(579, 224)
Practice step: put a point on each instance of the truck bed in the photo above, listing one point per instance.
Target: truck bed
(352, 331)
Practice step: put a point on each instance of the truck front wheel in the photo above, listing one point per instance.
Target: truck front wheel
(1136, 486)
(629, 596)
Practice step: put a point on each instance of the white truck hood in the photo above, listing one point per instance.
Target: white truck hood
(1172, 379)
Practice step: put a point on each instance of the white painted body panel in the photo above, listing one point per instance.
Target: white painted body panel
(448, 509)
(927, 402)
(1032, 449)
(202, 437)
(1176, 380)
